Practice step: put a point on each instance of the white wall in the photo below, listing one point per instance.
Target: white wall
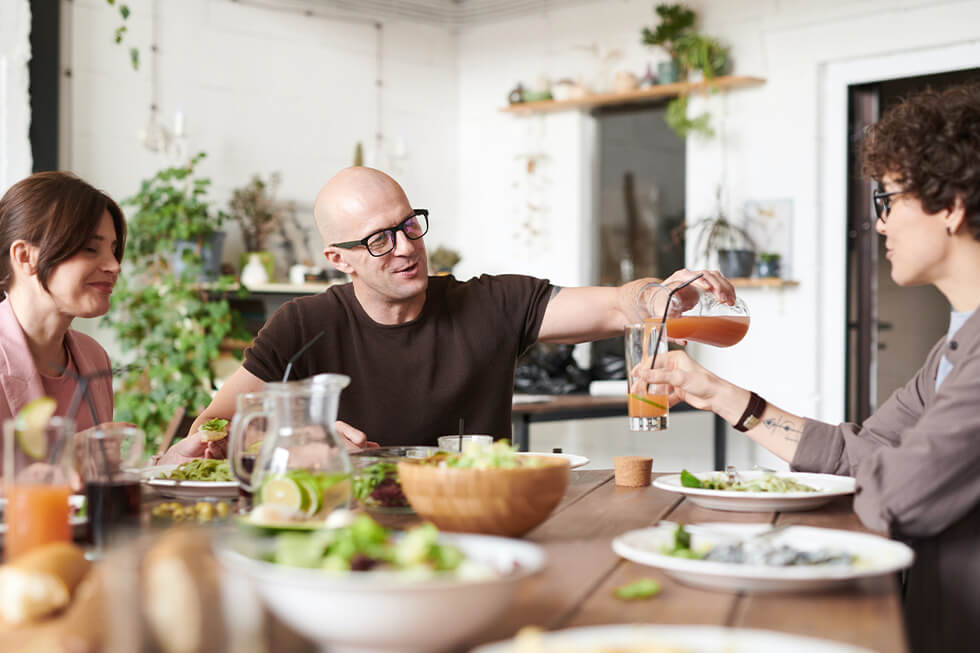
(261, 91)
(15, 110)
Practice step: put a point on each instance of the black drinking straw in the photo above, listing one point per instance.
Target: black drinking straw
(81, 391)
(663, 322)
(460, 447)
(295, 357)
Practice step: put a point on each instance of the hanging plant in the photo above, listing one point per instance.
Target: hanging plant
(120, 33)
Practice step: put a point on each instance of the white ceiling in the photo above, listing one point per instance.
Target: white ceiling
(453, 13)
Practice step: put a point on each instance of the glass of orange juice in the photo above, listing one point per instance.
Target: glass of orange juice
(647, 403)
(37, 470)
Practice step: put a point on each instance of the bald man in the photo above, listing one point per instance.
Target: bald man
(422, 352)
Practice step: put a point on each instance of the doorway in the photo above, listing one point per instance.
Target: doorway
(890, 330)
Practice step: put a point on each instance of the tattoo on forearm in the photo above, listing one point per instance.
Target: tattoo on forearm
(554, 292)
(791, 432)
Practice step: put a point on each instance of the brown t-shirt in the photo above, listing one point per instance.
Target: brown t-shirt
(412, 382)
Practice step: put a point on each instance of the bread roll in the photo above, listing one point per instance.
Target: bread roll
(40, 582)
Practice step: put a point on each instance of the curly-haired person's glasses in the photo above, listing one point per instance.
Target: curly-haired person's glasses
(381, 242)
(882, 203)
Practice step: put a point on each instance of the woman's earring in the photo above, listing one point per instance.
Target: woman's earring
(949, 232)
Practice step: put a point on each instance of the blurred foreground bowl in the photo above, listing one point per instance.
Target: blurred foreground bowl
(369, 612)
(506, 502)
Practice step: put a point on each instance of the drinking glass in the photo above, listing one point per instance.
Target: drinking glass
(694, 314)
(647, 403)
(111, 456)
(457, 443)
(37, 472)
(246, 446)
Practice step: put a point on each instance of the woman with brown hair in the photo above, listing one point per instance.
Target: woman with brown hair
(61, 245)
(916, 460)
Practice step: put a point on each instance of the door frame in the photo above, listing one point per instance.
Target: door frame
(835, 79)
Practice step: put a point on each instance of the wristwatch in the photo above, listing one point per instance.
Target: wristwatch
(753, 413)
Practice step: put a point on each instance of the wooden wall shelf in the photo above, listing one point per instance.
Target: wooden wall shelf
(764, 283)
(653, 94)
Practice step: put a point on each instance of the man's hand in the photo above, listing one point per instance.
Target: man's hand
(193, 447)
(354, 439)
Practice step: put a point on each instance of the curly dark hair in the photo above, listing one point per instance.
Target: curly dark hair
(930, 143)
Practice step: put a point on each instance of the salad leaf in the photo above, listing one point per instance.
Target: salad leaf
(690, 480)
(642, 588)
(216, 424)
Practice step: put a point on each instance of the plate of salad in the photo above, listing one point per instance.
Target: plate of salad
(198, 478)
(376, 485)
(760, 558)
(757, 491)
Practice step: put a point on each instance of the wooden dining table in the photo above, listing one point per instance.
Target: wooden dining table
(576, 587)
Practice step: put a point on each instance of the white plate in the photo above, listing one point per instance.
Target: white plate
(828, 486)
(187, 489)
(690, 639)
(878, 556)
(573, 460)
(75, 501)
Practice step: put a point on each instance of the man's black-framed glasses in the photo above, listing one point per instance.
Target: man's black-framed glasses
(882, 202)
(381, 242)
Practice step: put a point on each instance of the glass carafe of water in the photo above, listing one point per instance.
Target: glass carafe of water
(300, 470)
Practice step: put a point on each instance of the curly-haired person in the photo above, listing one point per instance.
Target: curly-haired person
(917, 459)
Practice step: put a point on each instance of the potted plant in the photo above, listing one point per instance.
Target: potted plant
(729, 242)
(675, 21)
(693, 56)
(173, 219)
(170, 324)
(254, 207)
(768, 265)
(443, 260)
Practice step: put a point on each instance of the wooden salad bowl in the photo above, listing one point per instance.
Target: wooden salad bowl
(507, 502)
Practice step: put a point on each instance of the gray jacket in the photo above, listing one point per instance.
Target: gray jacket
(917, 464)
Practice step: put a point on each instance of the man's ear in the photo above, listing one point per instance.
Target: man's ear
(23, 257)
(336, 259)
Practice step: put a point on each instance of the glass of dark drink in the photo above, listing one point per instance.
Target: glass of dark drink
(111, 455)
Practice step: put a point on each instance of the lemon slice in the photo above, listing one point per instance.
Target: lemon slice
(29, 426)
(285, 493)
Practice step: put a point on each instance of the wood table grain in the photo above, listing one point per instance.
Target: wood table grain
(576, 587)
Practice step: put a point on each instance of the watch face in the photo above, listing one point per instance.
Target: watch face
(750, 422)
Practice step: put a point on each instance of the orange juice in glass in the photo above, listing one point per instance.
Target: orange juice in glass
(647, 404)
(36, 482)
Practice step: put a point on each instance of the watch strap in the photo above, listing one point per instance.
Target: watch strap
(752, 415)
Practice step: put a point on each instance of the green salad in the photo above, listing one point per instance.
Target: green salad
(499, 455)
(365, 545)
(201, 469)
(765, 483)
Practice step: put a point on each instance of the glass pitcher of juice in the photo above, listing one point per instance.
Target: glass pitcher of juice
(300, 470)
(694, 314)
(37, 468)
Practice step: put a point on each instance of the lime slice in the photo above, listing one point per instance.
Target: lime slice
(29, 426)
(255, 447)
(285, 493)
(312, 489)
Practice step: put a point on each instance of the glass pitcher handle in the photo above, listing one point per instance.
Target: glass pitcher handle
(236, 445)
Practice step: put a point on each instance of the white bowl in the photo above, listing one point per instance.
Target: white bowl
(367, 612)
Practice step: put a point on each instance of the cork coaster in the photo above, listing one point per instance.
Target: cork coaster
(632, 471)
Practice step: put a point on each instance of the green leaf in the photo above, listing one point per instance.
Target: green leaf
(134, 58)
(690, 480)
(119, 33)
(124, 11)
(642, 588)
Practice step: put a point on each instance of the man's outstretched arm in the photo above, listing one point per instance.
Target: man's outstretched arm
(591, 313)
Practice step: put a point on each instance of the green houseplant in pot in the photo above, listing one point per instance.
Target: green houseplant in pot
(693, 56)
(168, 322)
(731, 243)
(254, 208)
